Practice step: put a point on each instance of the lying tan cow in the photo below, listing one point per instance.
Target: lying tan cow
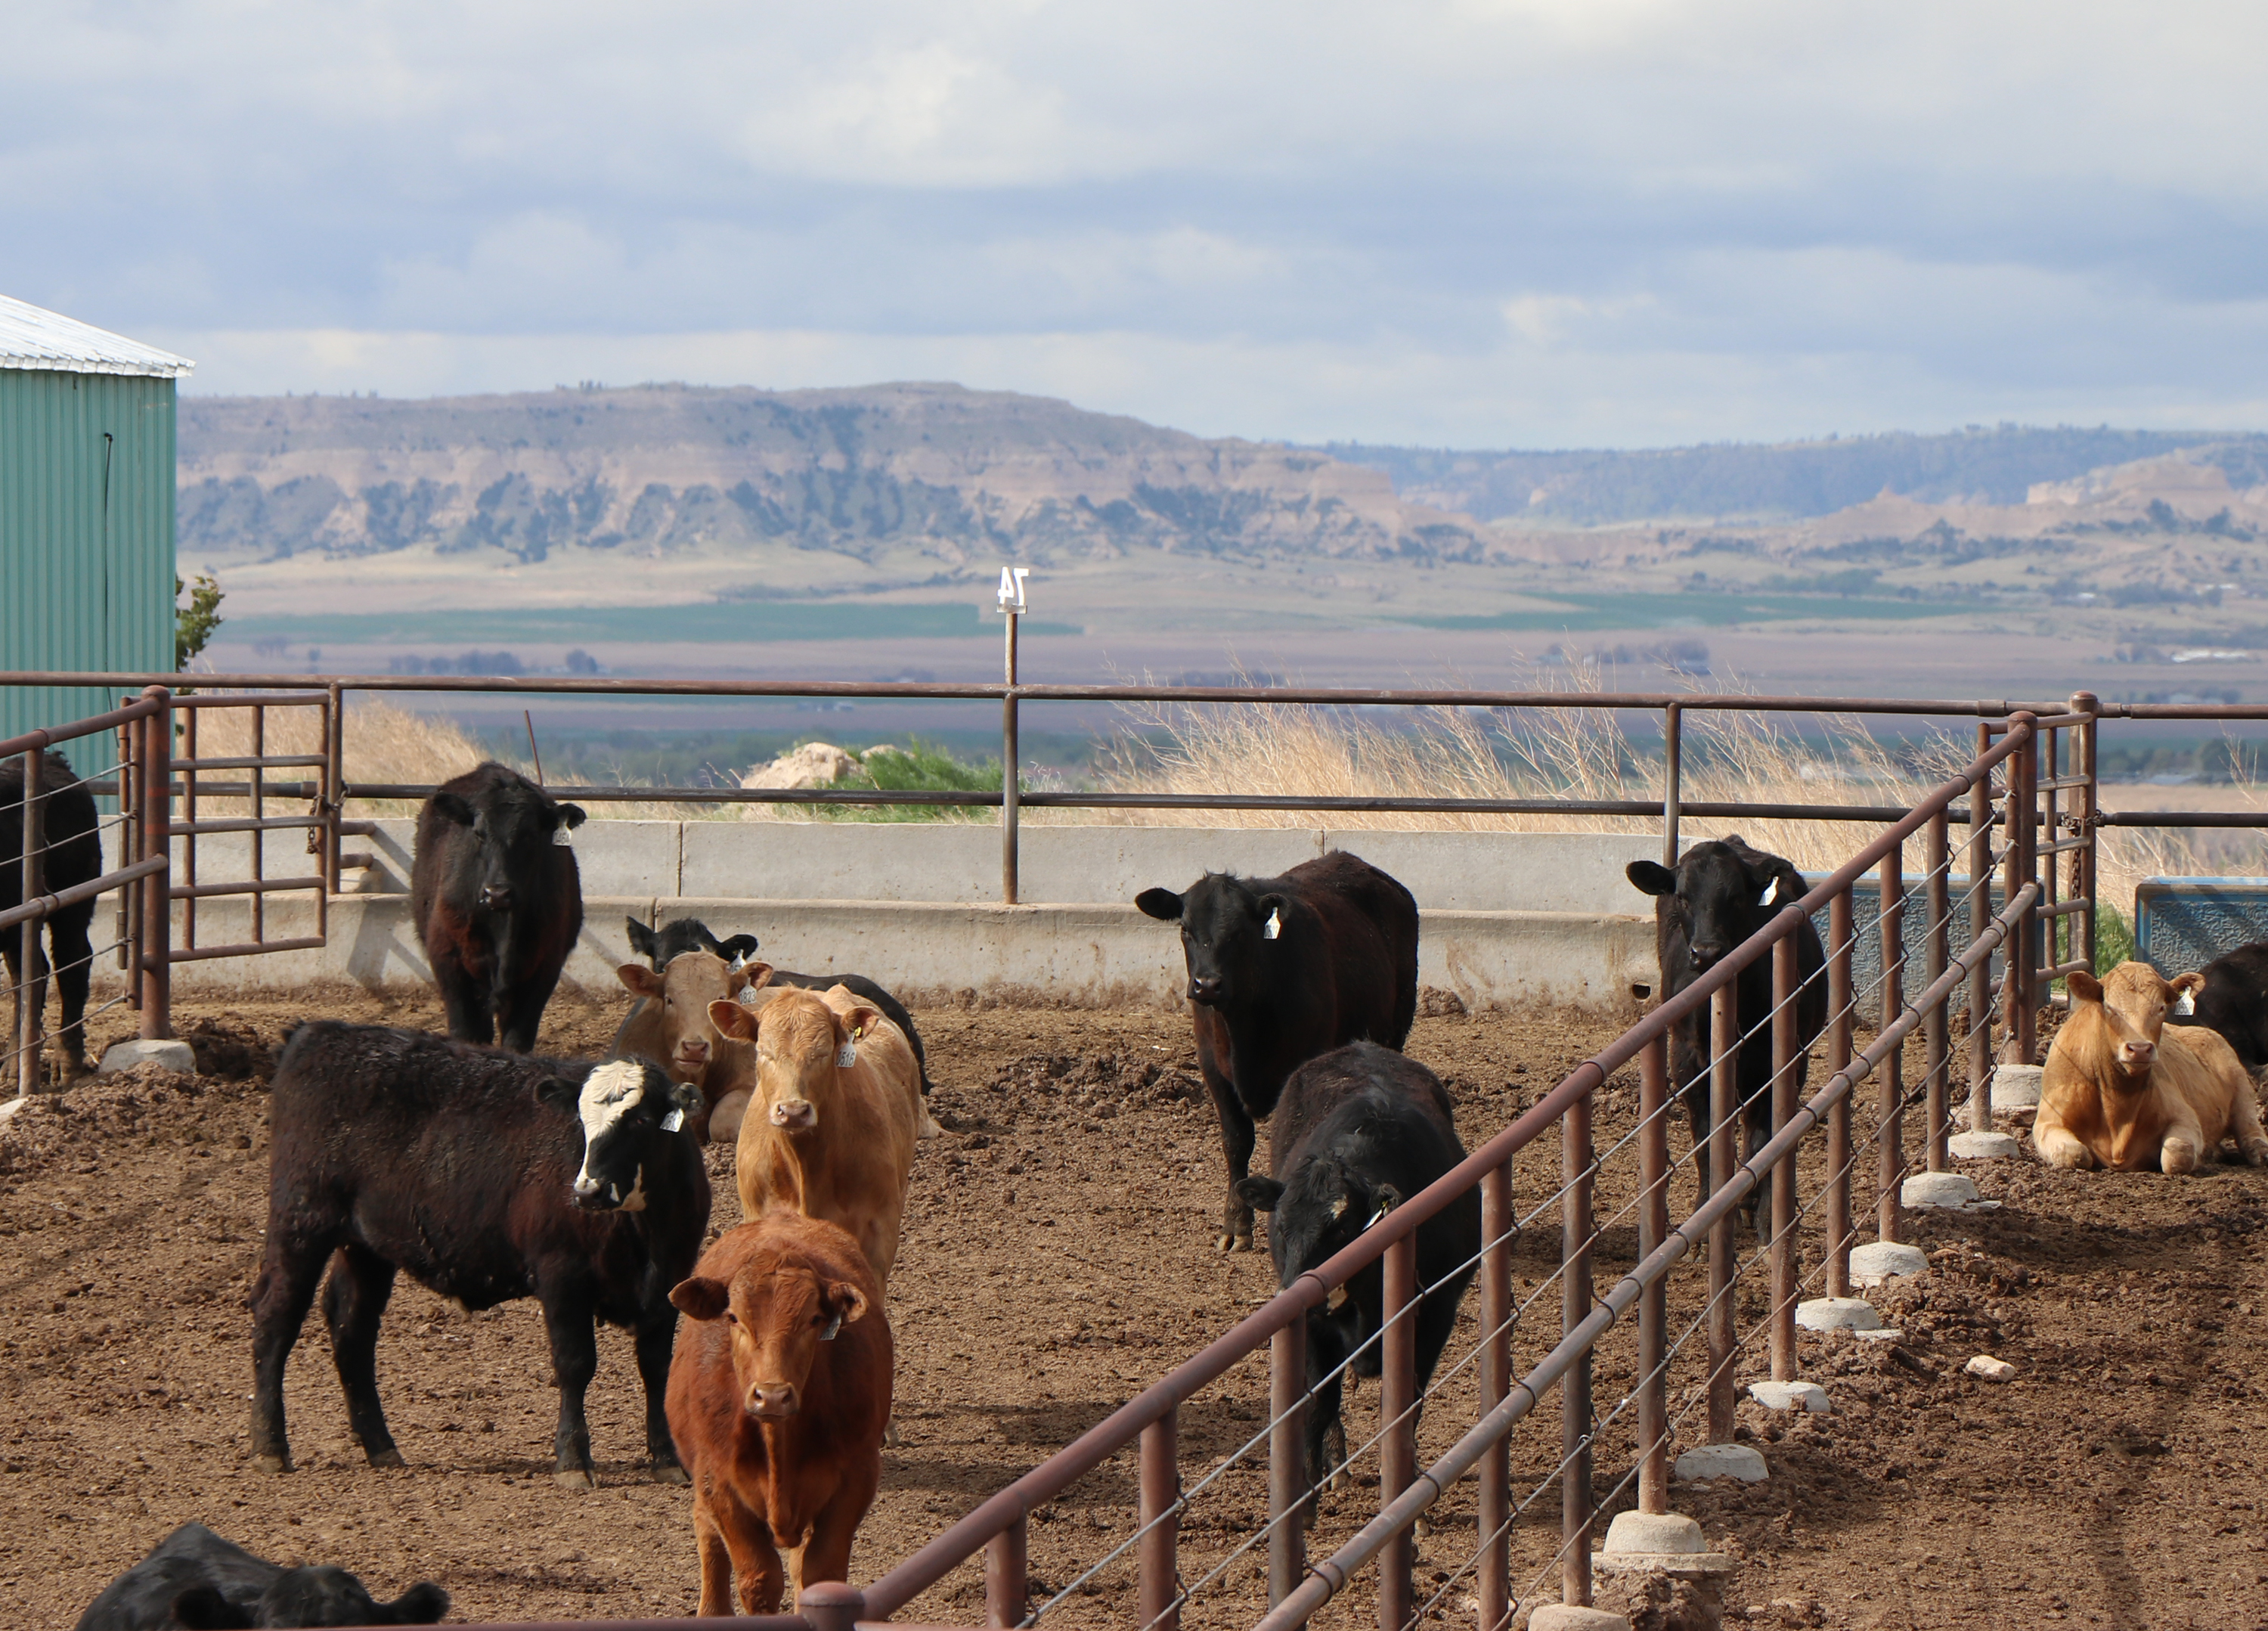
(2121, 1090)
(837, 1109)
(670, 1025)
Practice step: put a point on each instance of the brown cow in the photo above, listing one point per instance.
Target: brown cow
(831, 1131)
(670, 1025)
(2121, 1091)
(778, 1394)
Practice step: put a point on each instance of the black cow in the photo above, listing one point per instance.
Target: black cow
(2234, 1001)
(497, 899)
(1720, 894)
(194, 1580)
(658, 946)
(486, 1176)
(1280, 971)
(74, 856)
(1359, 1130)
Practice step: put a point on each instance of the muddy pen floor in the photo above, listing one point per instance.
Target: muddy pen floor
(1058, 1256)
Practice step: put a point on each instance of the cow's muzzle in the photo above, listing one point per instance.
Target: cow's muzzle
(795, 1115)
(772, 1400)
(2138, 1055)
(1706, 952)
(694, 1054)
(1205, 991)
(497, 897)
(590, 1194)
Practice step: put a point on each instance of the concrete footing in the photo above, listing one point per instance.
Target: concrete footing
(1792, 1396)
(1938, 1189)
(1560, 1617)
(1984, 1147)
(177, 1056)
(1883, 1259)
(1838, 1314)
(1723, 1461)
(2015, 1087)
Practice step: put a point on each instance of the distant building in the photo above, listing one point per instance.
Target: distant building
(86, 514)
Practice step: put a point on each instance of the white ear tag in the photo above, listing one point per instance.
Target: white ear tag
(2186, 1003)
(748, 995)
(1771, 894)
(674, 1121)
(833, 1325)
(1275, 924)
(847, 1055)
(559, 838)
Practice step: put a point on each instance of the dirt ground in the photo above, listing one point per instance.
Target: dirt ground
(1057, 1256)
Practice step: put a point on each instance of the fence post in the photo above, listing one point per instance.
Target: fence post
(1161, 1490)
(1937, 956)
(1839, 999)
(1890, 1220)
(1495, 1535)
(1007, 1588)
(156, 961)
(332, 804)
(2084, 821)
(1784, 1053)
(190, 717)
(1723, 1117)
(1287, 1459)
(31, 990)
(1980, 918)
(130, 851)
(2018, 999)
(1397, 1405)
(832, 1606)
(1673, 724)
(1009, 757)
(1575, 1162)
(1652, 1302)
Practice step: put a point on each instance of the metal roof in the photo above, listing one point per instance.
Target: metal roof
(32, 337)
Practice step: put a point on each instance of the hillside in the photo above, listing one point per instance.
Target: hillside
(668, 492)
(1787, 481)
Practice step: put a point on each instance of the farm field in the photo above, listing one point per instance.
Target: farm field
(1057, 1257)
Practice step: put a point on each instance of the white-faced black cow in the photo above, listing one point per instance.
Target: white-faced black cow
(1281, 969)
(497, 899)
(195, 1581)
(74, 856)
(486, 1176)
(1720, 894)
(1359, 1130)
(658, 946)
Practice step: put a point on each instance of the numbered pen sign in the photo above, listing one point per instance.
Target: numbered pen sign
(1012, 588)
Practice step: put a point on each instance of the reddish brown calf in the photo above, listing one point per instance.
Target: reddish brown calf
(779, 1395)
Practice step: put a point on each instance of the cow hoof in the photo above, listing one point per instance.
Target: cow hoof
(276, 1462)
(576, 1478)
(1227, 1242)
(2256, 1153)
(387, 1458)
(669, 1473)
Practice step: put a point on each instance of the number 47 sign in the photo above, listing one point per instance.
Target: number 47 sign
(1012, 588)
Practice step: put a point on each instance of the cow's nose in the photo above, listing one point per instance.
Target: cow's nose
(1707, 951)
(794, 1114)
(1203, 990)
(692, 1052)
(772, 1399)
(2141, 1052)
(497, 897)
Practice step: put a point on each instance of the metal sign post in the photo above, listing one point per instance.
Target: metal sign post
(1012, 606)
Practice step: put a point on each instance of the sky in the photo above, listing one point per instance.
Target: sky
(1469, 223)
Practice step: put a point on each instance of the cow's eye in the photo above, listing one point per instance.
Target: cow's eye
(731, 1318)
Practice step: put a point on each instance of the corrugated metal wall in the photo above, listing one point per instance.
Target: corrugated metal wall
(86, 538)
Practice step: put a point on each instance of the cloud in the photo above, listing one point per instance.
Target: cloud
(1610, 220)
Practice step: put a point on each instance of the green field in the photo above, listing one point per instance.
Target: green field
(704, 624)
(1703, 609)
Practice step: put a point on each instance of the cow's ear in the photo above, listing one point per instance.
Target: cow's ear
(845, 1301)
(639, 979)
(1260, 1194)
(570, 815)
(1383, 1199)
(685, 1097)
(737, 948)
(861, 1019)
(449, 806)
(1163, 904)
(559, 1093)
(202, 1608)
(2083, 987)
(1651, 876)
(700, 1298)
(2187, 984)
(642, 942)
(422, 1604)
(733, 1020)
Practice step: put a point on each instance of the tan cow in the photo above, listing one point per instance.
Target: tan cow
(671, 1026)
(2121, 1090)
(837, 1109)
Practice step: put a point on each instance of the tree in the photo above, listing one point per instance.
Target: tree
(194, 623)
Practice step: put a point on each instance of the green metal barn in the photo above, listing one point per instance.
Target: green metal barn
(87, 511)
